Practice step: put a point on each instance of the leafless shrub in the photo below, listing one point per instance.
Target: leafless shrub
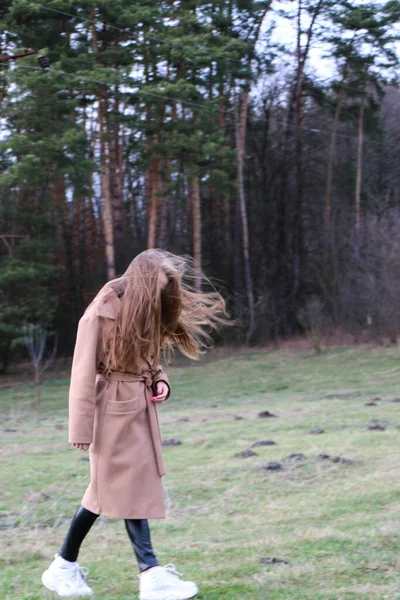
(311, 316)
(368, 296)
(35, 337)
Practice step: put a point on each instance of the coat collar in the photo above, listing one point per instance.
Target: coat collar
(108, 303)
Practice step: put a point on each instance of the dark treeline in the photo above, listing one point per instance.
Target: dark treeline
(193, 127)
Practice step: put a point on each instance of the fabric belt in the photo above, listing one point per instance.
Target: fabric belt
(147, 378)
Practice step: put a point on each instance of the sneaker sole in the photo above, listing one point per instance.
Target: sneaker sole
(167, 597)
(158, 596)
(51, 587)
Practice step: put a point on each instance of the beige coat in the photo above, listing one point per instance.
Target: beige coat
(116, 415)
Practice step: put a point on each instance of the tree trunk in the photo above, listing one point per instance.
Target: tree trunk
(240, 133)
(164, 203)
(329, 176)
(196, 221)
(107, 212)
(154, 171)
(92, 226)
(108, 224)
(116, 191)
(357, 197)
(298, 233)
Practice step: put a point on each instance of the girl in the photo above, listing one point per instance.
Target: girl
(116, 382)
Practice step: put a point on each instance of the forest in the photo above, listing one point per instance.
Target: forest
(203, 128)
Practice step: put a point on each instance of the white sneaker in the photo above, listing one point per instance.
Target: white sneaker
(68, 581)
(163, 583)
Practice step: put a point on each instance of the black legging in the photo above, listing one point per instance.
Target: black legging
(138, 531)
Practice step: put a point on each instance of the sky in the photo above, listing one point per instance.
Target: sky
(285, 33)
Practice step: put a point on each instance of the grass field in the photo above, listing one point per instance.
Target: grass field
(336, 524)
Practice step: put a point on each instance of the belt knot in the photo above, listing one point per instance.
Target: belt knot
(148, 379)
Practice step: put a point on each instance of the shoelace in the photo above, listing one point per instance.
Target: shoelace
(170, 567)
(84, 572)
(78, 572)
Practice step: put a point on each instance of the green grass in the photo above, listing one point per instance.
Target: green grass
(338, 526)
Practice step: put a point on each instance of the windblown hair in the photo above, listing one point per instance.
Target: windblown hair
(160, 310)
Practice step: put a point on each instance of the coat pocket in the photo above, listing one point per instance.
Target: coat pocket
(122, 407)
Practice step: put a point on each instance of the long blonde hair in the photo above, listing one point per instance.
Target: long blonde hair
(160, 310)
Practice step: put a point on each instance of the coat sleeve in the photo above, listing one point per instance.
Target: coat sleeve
(161, 376)
(82, 391)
